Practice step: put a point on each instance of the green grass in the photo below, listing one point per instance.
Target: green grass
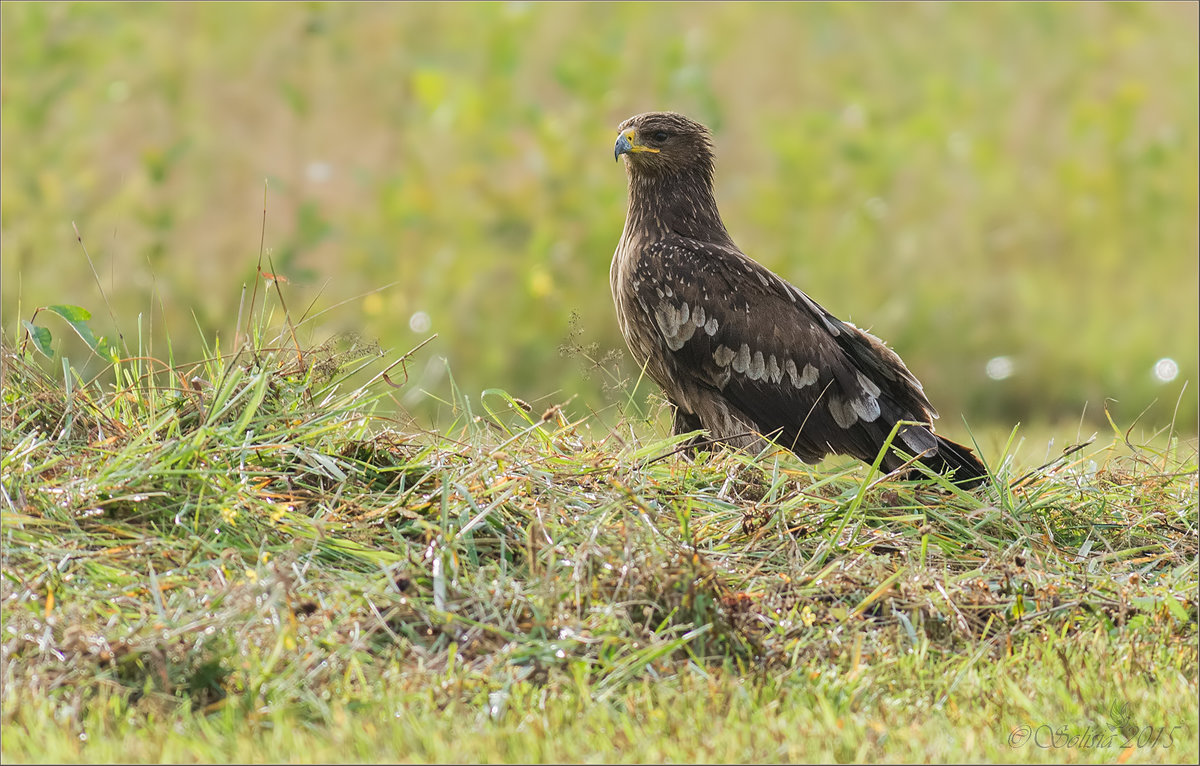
(246, 559)
(307, 545)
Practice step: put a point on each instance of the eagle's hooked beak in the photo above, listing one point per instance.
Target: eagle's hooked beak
(624, 145)
(627, 144)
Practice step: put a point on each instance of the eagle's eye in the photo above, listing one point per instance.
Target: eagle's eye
(660, 135)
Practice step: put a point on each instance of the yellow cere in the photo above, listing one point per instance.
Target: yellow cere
(631, 135)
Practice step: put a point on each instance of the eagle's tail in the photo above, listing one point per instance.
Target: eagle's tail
(969, 472)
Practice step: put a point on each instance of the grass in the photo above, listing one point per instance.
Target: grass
(261, 556)
(249, 559)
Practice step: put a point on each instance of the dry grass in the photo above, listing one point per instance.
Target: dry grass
(261, 549)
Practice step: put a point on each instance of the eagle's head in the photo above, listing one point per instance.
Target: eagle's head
(658, 143)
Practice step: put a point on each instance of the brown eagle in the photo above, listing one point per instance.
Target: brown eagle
(740, 352)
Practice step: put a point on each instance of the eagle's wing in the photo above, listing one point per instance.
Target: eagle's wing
(810, 381)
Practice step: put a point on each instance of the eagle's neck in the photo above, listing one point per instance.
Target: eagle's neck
(679, 204)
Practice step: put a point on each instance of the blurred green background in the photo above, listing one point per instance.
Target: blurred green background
(1007, 193)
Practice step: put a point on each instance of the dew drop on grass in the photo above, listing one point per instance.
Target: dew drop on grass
(496, 703)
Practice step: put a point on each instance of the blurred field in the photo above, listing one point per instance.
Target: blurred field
(975, 182)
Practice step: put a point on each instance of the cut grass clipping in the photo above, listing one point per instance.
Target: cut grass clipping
(244, 559)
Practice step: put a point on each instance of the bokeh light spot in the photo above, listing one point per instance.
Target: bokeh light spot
(419, 322)
(118, 91)
(877, 208)
(999, 368)
(1165, 370)
(318, 172)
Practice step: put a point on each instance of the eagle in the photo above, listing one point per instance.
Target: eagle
(740, 352)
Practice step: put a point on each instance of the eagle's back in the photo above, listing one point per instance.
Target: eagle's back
(742, 350)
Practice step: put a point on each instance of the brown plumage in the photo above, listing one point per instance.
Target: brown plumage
(740, 352)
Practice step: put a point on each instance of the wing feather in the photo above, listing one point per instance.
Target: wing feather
(735, 330)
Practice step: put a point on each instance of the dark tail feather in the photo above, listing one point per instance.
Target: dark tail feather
(969, 472)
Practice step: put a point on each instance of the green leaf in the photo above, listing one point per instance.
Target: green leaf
(77, 317)
(40, 337)
(1176, 608)
(72, 314)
